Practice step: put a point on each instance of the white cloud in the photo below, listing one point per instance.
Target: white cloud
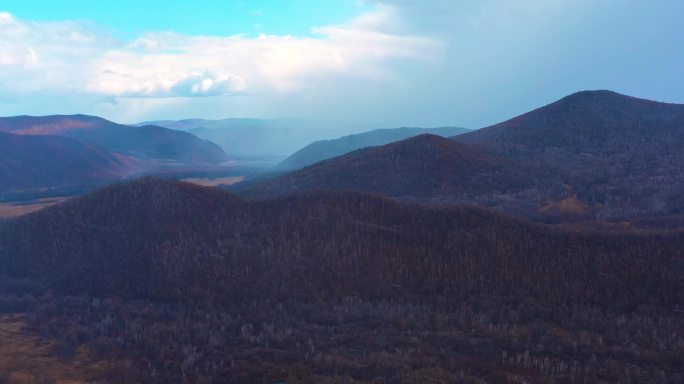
(77, 58)
(408, 62)
(46, 57)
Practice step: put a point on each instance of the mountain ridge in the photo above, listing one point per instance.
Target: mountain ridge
(560, 120)
(617, 158)
(326, 149)
(146, 142)
(423, 165)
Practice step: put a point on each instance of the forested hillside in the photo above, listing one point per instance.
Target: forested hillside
(335, 286)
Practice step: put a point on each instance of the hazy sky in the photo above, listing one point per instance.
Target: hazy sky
(378, 63)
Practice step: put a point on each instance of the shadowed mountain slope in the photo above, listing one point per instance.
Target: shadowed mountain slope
(34, 162)
(597, 121)
(621, 157)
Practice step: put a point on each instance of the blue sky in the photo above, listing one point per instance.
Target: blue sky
(346, 64)
(129, 18)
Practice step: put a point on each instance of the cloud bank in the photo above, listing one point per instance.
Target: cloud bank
(78, 58)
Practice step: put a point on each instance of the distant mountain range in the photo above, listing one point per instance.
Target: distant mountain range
(594, 155)
(326, 149)
(591, 156)
(272, 139)
(79, 150)
(145, 142)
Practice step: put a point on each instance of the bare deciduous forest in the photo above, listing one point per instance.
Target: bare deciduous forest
(172, 282)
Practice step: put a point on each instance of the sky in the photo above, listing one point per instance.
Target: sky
(343, 63)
